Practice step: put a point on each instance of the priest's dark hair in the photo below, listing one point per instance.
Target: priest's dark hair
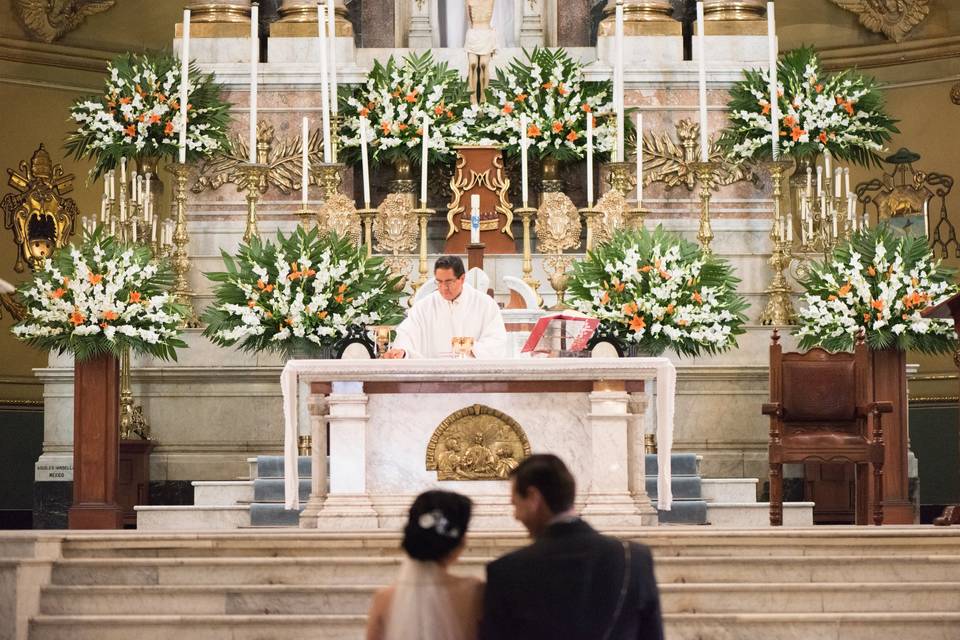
(550, 476)
(450, 262)
(436, 526)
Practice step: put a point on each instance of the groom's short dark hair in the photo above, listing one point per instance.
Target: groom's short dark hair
(550, 476)
(450, 262)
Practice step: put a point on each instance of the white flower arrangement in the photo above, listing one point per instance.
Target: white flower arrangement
(101, 297)
(303, 293)
(658, 291)
(877, 284)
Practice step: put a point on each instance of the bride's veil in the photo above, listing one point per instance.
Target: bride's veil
(421, 608)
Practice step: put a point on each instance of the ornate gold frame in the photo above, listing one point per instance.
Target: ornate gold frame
(466, 466)
(499, 184)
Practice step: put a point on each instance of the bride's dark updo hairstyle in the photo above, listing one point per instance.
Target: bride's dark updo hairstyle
(438, 521)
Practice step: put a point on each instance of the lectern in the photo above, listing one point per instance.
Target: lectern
(949, 309)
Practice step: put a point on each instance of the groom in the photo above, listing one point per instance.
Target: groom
(572, 583)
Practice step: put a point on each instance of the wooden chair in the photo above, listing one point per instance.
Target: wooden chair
(821, 410)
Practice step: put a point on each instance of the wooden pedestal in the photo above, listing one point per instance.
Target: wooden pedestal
(96, 425)
(134, 480)
(890, 383)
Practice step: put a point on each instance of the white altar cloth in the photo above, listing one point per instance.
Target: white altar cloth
(298, 374)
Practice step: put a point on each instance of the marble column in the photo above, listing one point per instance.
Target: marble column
(638, 406)
(531, 25)
(347, 505)
(318, 460)
(298, 19)
(641, 18)
(573, 23)
(420, 34)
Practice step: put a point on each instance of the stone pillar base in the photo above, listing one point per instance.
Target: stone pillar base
(611, 511)
(345, 512)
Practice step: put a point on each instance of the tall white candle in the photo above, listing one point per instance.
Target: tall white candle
(147, 196)
(104, 205)
(123, 170)
(819, 180)
(589, 160)
(184, 84)
(837, 173)
(332, 61)
(774, 101)
(254, 60)
(324, 89)
(702, 66)
(523, 160)
(474, 219)
(827, 165)
(153, 230)
(106, 185)
(111, 180)
(809, 182)
(926, 217)
(134, 187)
(639, 158)
(364, 161)
(304, 162)
(789, 237)
(618, 79)
(424, 159)
(846, 180)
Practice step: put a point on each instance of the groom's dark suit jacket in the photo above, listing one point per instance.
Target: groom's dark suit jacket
(566, 585)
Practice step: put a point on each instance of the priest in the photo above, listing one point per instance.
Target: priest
(454, 310)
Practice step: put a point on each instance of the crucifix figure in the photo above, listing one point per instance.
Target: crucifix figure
(480, 43)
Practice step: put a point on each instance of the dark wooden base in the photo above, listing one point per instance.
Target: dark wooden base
(91, 516)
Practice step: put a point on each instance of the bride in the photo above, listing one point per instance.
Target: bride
(427, 602)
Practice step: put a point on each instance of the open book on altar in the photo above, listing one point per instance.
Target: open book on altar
(560, 334)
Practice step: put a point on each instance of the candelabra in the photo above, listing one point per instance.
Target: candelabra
(827, 216)
(526, 213)
(367, 216)
(589, 219)
(705, 172)
(622, 177)
(423, 216)
(253, 174)
(181, 261)
(779, 309)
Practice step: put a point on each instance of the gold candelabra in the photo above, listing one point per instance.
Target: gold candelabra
(181, 261)
(589, 219)
(779, 309)
(526, 214)
(827, 215)
(253, 174)
(423, 217)
(367, 216)
(705, 172)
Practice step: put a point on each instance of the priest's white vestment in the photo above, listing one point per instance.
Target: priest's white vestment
(432, 322)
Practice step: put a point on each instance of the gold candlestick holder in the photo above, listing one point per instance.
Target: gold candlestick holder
(253, 174)
(705, 172)
(423, 217)
(336, 121)
(621, 176)
(589, 219)
(329, 178)
(306, 215)
(181, 261)
(637, 216)
(367, 216)
(132, 421)
(526, 214)
(779, 309)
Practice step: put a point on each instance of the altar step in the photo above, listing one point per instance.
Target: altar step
(849, 583)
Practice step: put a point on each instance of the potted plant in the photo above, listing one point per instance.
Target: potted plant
(300, 296)
(654, 290)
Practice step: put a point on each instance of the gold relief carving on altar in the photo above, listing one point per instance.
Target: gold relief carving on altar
(462, 183)
(49, 20)
(893, 18)
(670, 162)
(476, 443)
(41, 218)
(339, 215)
(395, 227)
(558, 224)
(613, 216)
(282, 157)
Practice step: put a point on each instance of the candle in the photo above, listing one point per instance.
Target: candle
(618, 79)
(424, 159)
(111, 178)
(774, 101)
(364, 162)
(589, 160)
(474, 219)
(836, 181)
(153, 230)
(135, 187)
(846, 180)
(324, 89)
(106, 185)
(123, 170)
(926, 218)
(332, 44)
(523, 159)
(702, 64)
(184, 84)
(304, 163)
(809, 222)
(833, 221)
(827, 161)
(104, 204)
(639, 158)
(254, 59)
(819, 180)
(148, 197)
(113, 231)
(789, 237)
(133, 229)
(809, 182)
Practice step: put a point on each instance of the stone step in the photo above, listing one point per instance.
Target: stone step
(355, 599)
(752, 515)
(378, 570)
(683, 512)
(222, 492)
(272, 466)
(273, 514)
(271, 489)
(191, 517)
(729, 489)
(759, 626)
(681, 464)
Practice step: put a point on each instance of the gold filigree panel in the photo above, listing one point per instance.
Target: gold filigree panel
(613, 216)
(893, 18)
(41, 218)
(395, 228)
(282, 157)
(49, 20)
(476, 443)
(670, 162)
(557, 224)
(338, 214)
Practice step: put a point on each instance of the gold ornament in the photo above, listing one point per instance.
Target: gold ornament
(558, 223)
(498, 183)
(41, 218)
(395, 227)
(49, 20)
(612, 216)
(671, 163)
(893, 18)
(477, 443)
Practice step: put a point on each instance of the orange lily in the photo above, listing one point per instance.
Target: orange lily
(557, 126)
(572, 136)
(547, 85)
(167, 130)
(58, 293)
(796, 133)
(134, 296)
(605, 298)
(508, 108)
(871, 271)
(94, 278)
(845, 289)
(109, 315)
(682, 323)
(131, 130)
(669, 309)
(322, 315)
(77, 318)
(637, 323)
(877, 304)
(697, 297)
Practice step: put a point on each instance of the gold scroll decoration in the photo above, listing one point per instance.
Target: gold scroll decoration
(339, 215)
(282, 157)
(893, 18)
(479, 170)
(670, 162)
(558, 224)
(613, 216)
(476, 443)
(42, 219)
(49, 20)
